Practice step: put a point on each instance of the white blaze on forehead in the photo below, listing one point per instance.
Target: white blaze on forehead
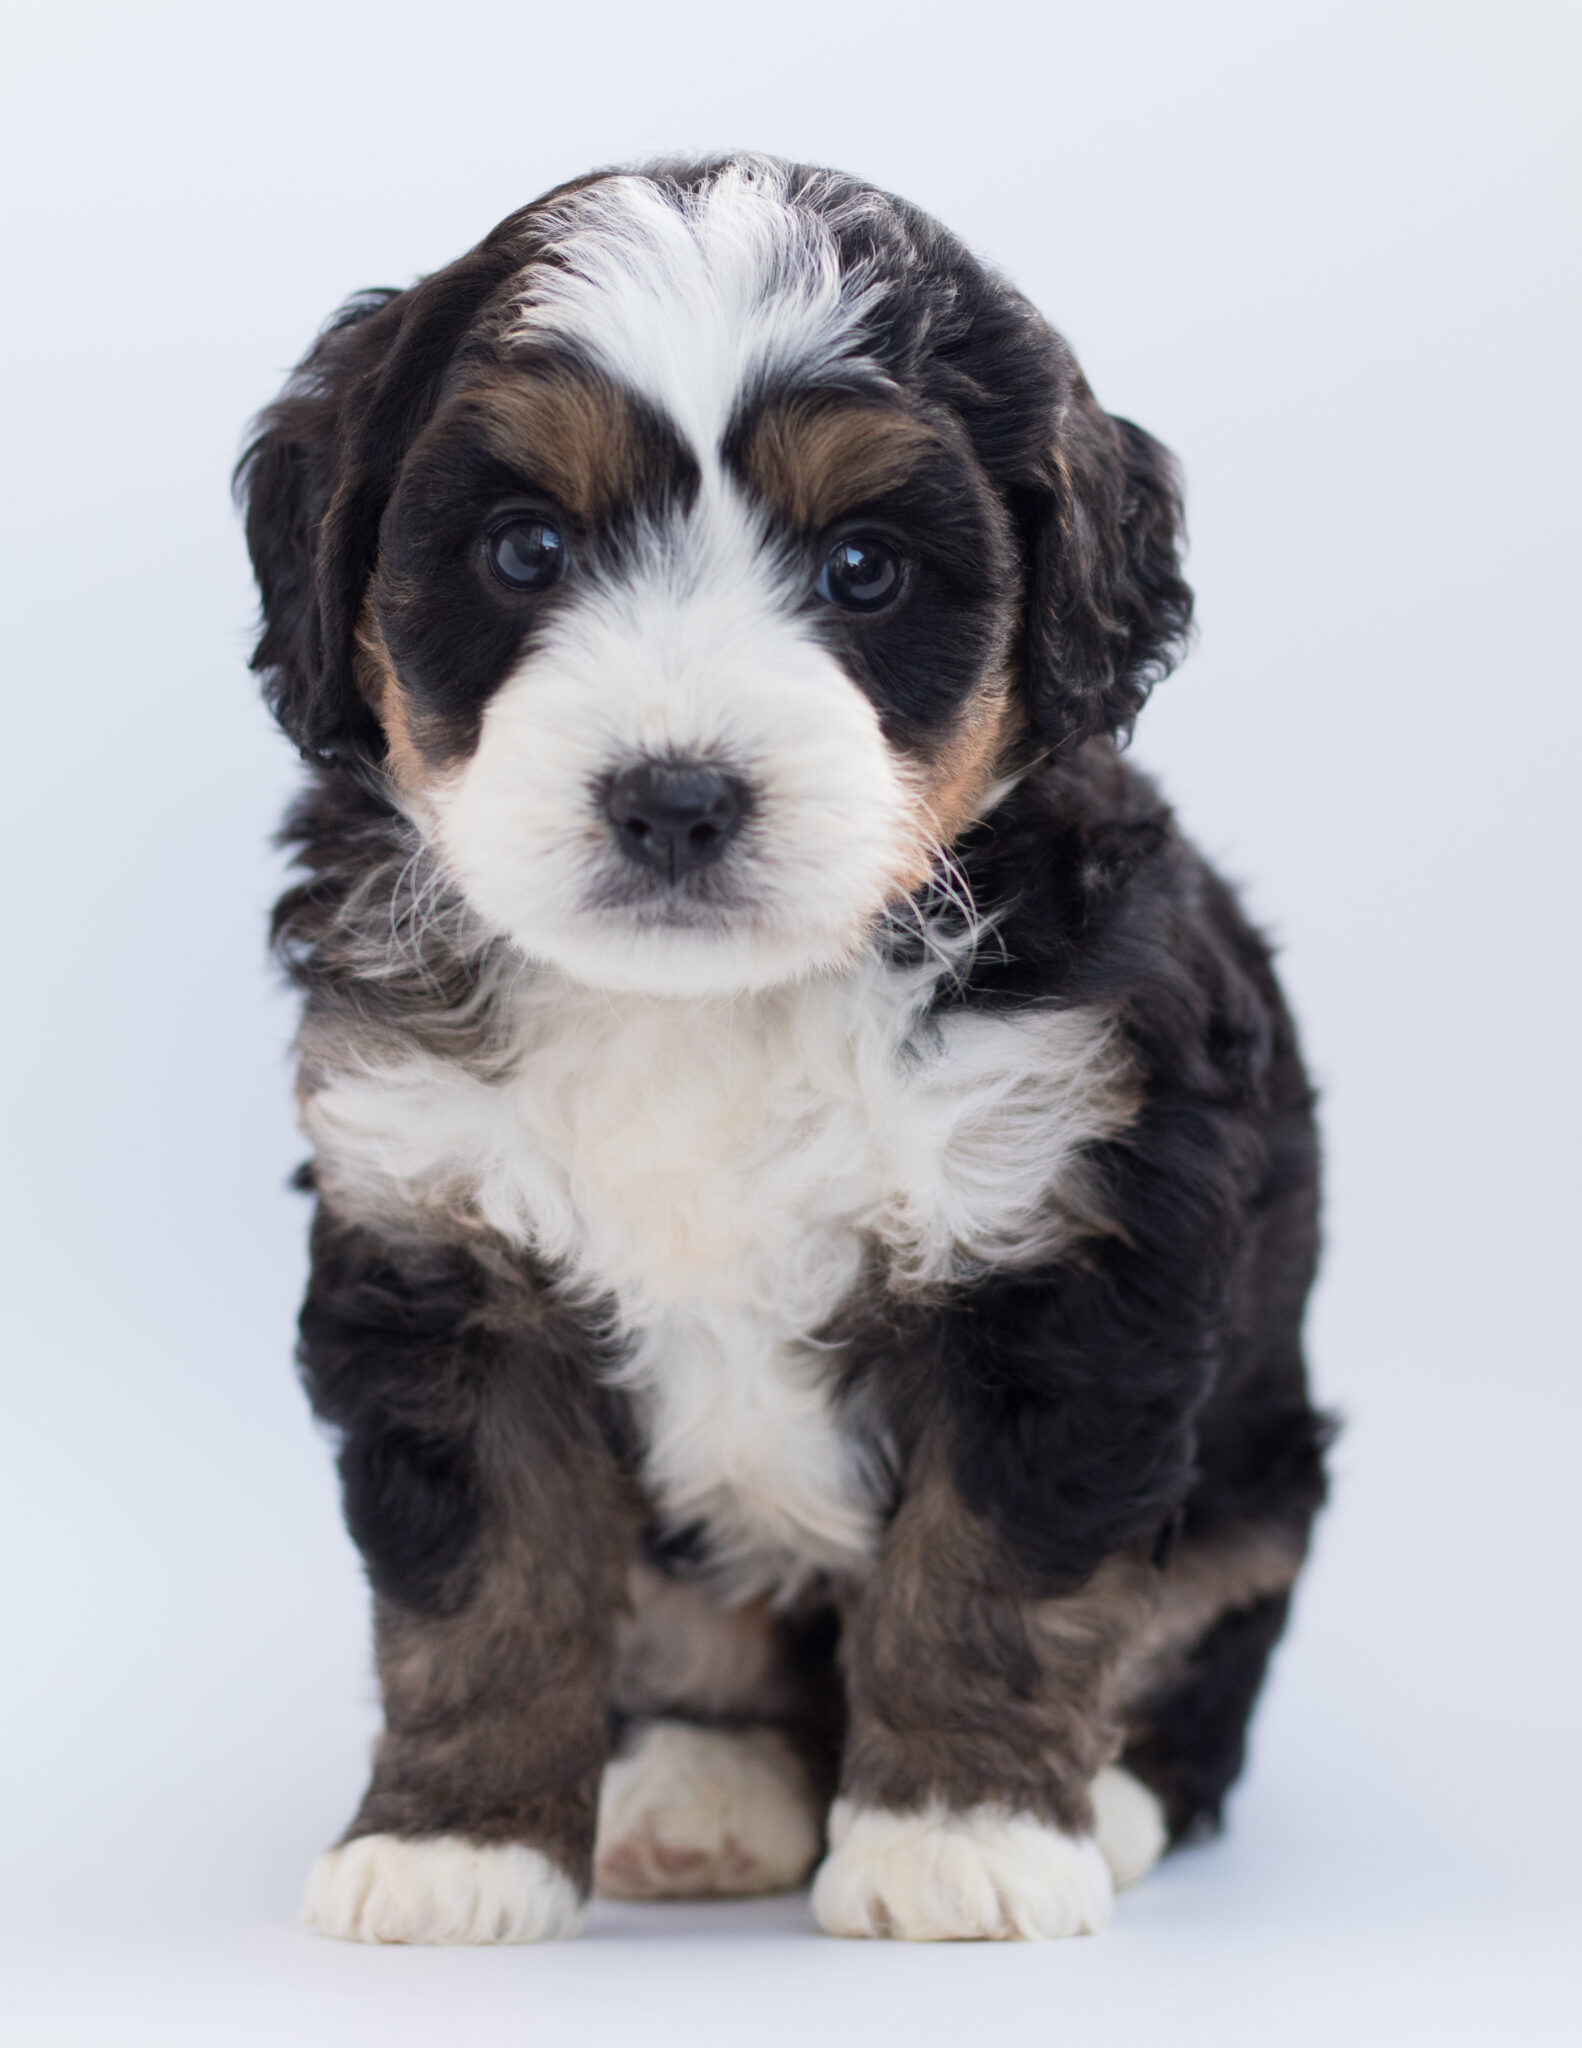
(690, 299)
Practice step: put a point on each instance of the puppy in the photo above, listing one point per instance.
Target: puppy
(815, 1179)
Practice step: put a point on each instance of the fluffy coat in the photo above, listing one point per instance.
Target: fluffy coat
(837, 1298)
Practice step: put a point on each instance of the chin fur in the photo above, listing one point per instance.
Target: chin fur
(685, 964)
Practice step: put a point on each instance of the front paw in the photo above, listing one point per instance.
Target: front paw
(441, 1889)
(983, 1875)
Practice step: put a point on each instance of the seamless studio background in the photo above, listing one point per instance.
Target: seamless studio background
(1326, 252)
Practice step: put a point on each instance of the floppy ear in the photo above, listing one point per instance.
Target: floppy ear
(319, 472)
(286, 482)
(1107, 609)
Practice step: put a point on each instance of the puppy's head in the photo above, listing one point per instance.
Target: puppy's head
(695, 556)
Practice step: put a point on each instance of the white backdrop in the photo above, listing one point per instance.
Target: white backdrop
(1324, 251)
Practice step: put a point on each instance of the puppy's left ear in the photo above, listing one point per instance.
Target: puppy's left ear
(1107, 609)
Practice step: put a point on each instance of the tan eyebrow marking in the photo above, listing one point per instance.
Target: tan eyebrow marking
(577, 436)
(813, 458)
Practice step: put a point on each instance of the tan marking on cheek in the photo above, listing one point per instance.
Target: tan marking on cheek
(813, 460)
(969, 769)
(377, 678)
(951, 784)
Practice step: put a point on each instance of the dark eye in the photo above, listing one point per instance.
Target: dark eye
(527, 554)
(861, 574)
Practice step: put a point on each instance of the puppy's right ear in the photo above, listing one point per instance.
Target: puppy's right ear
(287, 481)
(320, 470)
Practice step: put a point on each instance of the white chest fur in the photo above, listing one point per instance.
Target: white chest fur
(718, 1170)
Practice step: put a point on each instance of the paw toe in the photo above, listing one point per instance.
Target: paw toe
(443, 1889)
(983, 1875)
(1128, 1824)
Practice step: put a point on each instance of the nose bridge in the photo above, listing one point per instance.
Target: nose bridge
(700, 635)
(713, 579)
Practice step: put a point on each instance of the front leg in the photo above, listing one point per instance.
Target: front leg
(979, 1723)
(1048, 1423)
(493, 1523)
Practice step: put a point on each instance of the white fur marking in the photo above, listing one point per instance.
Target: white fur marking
(442, 1890)
(984, 1875)
(701, 1812)
(1128, 1824)
(717, 1169)
(710, 660)
(691, 298)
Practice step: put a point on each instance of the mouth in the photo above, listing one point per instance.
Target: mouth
(718, 932)
(716, 899)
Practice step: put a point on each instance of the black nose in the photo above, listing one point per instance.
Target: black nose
(675, 815)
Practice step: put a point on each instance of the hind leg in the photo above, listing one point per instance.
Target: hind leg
(1128, 1825)
(1188, 1739)
(1185, 1692)
(729, 1729)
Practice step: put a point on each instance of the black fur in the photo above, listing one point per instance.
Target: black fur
(1162, 1372)
(451, 627)
(392, 1358)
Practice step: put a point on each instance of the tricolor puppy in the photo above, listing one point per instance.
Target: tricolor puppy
(815, 1179)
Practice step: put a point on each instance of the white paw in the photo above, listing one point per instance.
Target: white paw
(1128, 1825)
(696, 1812)
(984, 1875)
(444, 1889)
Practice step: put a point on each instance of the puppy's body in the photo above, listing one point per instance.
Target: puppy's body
(816, 1181)
(715, 1175)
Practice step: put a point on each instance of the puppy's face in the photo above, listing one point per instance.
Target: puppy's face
(694, 621)
(689, 630)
